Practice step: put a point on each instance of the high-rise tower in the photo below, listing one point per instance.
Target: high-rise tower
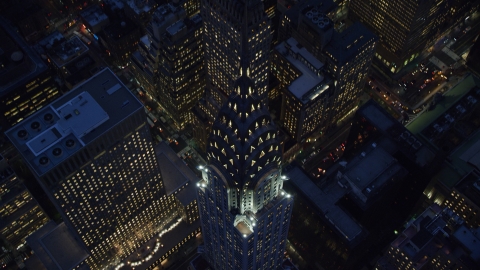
(245, 213)
(92, 153)
(404, 27)
(222, 22)
(169, 62)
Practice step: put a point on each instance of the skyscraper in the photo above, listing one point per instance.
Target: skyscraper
(169, 60)
(404, 27)
(223, 22)
(321, 70)
(245, 213)
(26, 83)
(181, 74)
(92, 153)
(20, 214)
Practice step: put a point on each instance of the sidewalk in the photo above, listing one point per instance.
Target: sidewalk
(454, 80)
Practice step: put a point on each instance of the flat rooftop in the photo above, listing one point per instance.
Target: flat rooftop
(187, 195)
(346, 45)
(326, 201)
(470, 239)
(56, 247)
(66, 51)
(15, 48)
(176, 27)
(390, 127)
(94, 15)
(139, 9)
(371, 170)
(118, 29)
(175, 173)
(243, 228)
(71, 122)
(307, 64)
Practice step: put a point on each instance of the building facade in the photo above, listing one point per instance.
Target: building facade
(305, 96)
(169, 61)
(92, 153)
(464, 199)
(332, 63)
(26, 83)
(348, 60)
(436, 239)
(244, 211)
(20, 214)
(222, 22)
(181, 73)
(404, 28)
(146, 60)
(121, 39)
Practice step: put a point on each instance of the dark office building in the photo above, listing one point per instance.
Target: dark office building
(20, 214)
(28, 16)
(380, 175)
(121, 39)
(26, 83)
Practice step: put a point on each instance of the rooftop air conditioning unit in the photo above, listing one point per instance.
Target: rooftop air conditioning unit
(35, 125)
(22, 134)
(48, 118)
(44, 161)
(57, 152)
(70, 143)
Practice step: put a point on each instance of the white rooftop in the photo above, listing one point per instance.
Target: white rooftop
(58, 130)
(78, 116)
(308, 65)
(304, 53)
(470, 239)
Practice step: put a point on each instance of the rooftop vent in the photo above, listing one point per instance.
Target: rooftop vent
(323, 22)
(35, 125)
(70, 143)
(16, 56)
(22, 134)
(44, 161)
(48, 117)
(57, 152)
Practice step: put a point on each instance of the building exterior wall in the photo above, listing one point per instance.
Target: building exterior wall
(20, 214)
(404, 27)
(181, 75)
(106, 183)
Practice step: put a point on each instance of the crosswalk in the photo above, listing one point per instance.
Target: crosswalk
(437, 62)
(450, 53)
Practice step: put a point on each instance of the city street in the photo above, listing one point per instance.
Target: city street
(441, 69)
